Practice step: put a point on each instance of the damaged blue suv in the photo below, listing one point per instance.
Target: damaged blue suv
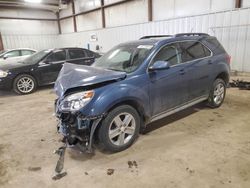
(136, 83)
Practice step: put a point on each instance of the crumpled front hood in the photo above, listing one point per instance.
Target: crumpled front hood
(72, 75)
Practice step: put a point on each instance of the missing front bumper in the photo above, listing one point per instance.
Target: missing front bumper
(78, 131)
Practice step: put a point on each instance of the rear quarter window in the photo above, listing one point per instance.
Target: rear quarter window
(215, 46)
(192, 50)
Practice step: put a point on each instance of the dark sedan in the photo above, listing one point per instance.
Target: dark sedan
(42, 68)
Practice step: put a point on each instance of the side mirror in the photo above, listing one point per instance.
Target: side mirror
(159, 65)
(44, 63)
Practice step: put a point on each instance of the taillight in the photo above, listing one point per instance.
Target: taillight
(228, 58)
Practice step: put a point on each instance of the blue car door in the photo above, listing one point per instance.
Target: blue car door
(199, 65)
(168, 87)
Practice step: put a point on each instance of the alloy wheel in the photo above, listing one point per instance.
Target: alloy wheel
(25, 85)
(219, 92)
(122, 129)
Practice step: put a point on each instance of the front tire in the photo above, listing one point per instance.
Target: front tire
(24, 84)
(217, 93)
(119, 129)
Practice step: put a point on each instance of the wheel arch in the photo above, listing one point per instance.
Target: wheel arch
(134, 104)
(224, 76)
(24, 73)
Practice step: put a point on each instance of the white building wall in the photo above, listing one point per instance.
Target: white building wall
(28, 33)
(232, 28)
(89, 21)
(129, 22)
(128, 13)
(66, 12)
(67, 25)
(245, 3)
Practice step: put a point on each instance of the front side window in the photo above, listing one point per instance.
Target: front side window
(76, 53)
(57, 56)
(168, 53)
(14, 53)
(192, 50)
(125, 58)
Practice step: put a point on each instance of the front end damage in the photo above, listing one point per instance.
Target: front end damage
(76, 87)
(78, 133)
(78, 130)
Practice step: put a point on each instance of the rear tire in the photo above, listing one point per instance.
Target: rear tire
(119, 129)
(217, 93)
(24, 84)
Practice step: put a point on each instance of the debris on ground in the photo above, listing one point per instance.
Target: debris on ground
(240, 84)
(110, 171)
(60, 163)
(59, 176)
(86, 173)
(34, 168)
(135, 164)
(190, 171)
(132, 164)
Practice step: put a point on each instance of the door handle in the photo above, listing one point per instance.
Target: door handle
(182, 71)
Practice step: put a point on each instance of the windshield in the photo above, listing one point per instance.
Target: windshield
(36, 57)
(124, 58)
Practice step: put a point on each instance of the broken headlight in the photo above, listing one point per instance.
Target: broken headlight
(76, 101)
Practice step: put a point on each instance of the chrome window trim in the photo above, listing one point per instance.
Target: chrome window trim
(211, 53)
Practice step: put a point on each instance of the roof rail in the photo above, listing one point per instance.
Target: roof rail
(155, 36)
(191, 34)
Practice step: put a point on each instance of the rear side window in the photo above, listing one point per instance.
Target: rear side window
(57, 56)
(192, 50)
(76, 53)
(26, 52)
(89, 53)
(168, 53)
(215, 46)
(92, 54)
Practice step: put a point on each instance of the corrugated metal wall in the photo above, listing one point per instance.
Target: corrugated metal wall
(28, 33)
(232, 28)
(37, 42)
